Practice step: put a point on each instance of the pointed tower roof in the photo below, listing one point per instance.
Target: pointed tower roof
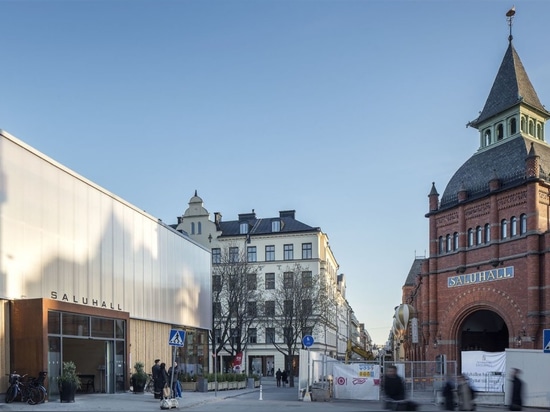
(511, 87)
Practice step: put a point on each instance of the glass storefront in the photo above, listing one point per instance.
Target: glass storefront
(95, 344)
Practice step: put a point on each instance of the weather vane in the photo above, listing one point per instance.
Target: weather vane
(509, 16)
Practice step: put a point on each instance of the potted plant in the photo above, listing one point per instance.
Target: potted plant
(139, 378)
(68, 382)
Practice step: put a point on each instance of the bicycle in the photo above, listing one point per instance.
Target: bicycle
(30, 391)
(150, 384)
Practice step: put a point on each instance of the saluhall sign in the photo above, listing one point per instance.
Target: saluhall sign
(481, 277)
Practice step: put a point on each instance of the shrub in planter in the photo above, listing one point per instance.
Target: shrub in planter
(139, 378)
(68, 382)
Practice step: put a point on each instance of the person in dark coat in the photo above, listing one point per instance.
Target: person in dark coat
(284, 378)
(163, 379)
(517, 391)
(155, 371)
(448, 395)
(278, 376)
(394, 387)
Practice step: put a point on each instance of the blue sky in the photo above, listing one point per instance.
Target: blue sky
(344, 111)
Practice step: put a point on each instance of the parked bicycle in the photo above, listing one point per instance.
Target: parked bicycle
(150, 384)
(31, 391)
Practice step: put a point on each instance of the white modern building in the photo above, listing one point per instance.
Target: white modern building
(271, 245)
(87, 277)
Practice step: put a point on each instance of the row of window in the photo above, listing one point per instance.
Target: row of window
(252, 253)
(306, 279)
(482, 235)
(531, 126)
(252, 335)
(306, 308)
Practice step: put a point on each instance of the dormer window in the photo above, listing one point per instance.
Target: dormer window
(243, 228)
(275, 225)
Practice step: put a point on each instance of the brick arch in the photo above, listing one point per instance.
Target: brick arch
(482, 298)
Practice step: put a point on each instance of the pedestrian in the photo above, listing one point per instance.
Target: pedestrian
(155, 371)
(284, 377)
(449, 395)
(163, 379)
(394, 387)
(278, 376)
(517, 391)
(176, 386)
(465, 394)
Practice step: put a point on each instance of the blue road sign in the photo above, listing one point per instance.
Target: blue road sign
(307, 341)
(546, 340)
(177, 337)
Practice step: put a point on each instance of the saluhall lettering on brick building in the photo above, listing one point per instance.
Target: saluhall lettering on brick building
(481, 277)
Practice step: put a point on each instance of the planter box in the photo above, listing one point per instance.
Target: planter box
(211, 386)
(222, 386)
(256, 384)
(232, 385)
(189, 386)
(241, 384)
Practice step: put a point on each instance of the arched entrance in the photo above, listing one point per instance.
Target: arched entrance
(483, 330)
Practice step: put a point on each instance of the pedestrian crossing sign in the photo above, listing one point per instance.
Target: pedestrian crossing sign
(177, 337)
(546, 340)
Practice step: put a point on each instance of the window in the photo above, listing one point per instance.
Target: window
(307, 331)
(216, 283)
(275, 225)
(252, 309)
(192, 228)
(288, 280)
(487, 137)
(306, 251)
(216, 255)
(270, 280)
(243, 228)
(233, 254)
(479, 235)
(270, 253)
(269, 335)
(252, 335)
(235, 336)
(500, 132)
(217, 309)
(252, 281)
(448, 242)
(523, 224)
(513, 125)
(218, 335)
(487, 233)
(307, 307)
(470, 237)
(288, 308)
(455, 241)
(269, 308)
(251, 254)
(288, 335)
(199, 226)
(503, 229)
(441, 245)
(288, 252)
(307, 279)
(513, 226)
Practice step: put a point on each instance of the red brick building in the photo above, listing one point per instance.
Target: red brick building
(486, 283)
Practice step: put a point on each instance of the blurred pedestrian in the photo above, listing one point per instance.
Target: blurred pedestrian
(449, 395)
(284, 378)
(155, 371)
(278, 376)
(176, 385)
(465, 394)
(517, 391)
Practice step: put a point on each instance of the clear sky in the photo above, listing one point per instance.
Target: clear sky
(345, 111)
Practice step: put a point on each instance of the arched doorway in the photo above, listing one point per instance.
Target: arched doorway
(483, 330)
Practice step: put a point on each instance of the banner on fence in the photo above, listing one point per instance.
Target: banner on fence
(481, 367)
(359, 381)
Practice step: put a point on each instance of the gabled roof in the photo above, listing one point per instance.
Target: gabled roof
(511, 87)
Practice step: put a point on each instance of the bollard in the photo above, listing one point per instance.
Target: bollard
(261, 399)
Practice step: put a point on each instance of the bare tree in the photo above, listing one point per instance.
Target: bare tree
(235, 299)
(300, 305)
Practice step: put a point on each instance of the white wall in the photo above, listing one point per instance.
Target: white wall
(535, 367)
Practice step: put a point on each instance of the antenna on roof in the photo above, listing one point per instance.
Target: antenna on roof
(509, 16)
